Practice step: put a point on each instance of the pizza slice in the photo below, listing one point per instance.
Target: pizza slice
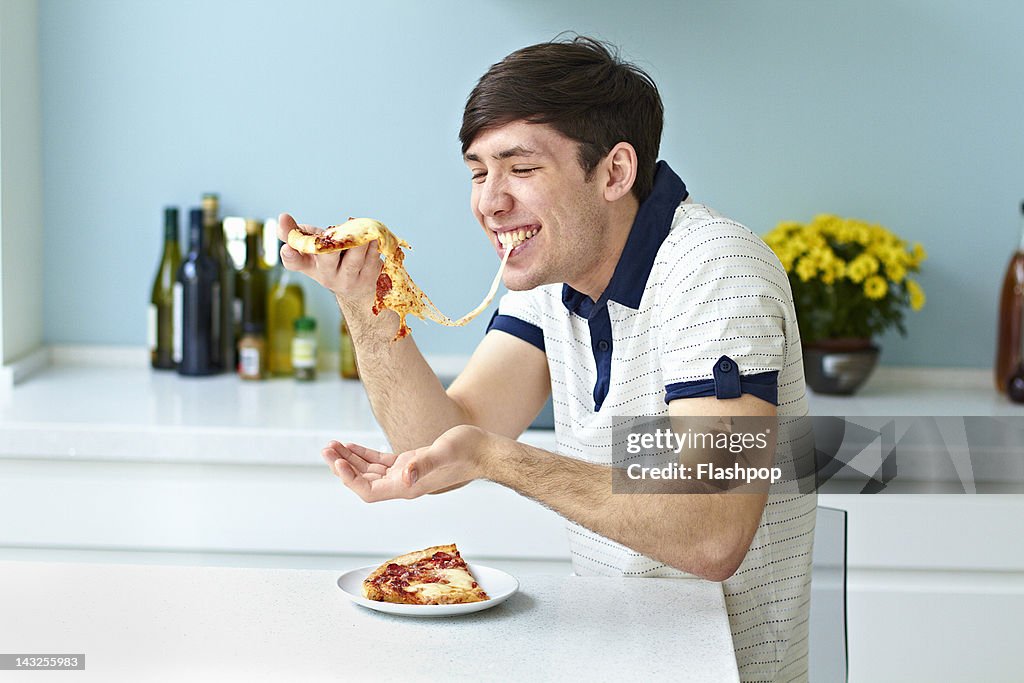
(395, 289)
(433, 576)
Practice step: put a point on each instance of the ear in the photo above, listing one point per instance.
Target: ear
(620, 166)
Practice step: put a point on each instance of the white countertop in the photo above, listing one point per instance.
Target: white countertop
(915, 392)
(201, 623)
(89, 412)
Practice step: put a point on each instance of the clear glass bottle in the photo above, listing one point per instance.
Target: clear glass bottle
(161, 298)
(304, 349)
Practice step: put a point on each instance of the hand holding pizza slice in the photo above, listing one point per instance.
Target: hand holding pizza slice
(395, 289)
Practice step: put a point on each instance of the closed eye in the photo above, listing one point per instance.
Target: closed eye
(524, 171)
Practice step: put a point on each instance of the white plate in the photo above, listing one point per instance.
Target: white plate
(496, 583)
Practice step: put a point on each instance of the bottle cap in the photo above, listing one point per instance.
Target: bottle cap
(253, 328)
(305, 324)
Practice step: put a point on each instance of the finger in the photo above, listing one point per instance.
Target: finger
(285, 224)
(371, 467)
(370, 455)
(371, 262)
(290, 258)
(330, 455)
(336, 451)
(352, 264)
(362, 466)
(351, 479)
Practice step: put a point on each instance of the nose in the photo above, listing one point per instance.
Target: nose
(493, 197)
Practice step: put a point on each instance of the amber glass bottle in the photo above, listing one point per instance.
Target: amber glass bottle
(1011, 318)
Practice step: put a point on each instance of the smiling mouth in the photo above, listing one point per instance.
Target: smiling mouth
(513, 238)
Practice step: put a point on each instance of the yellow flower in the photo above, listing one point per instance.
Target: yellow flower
(861, 267)
(918, 254)
(807, 268)
(917, 297)
(895, 271)
(875, 287)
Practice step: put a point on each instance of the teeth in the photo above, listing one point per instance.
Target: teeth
(513, 238)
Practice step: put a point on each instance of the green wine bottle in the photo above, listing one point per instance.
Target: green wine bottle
(252, 279)
(161, 299)
(225, 332)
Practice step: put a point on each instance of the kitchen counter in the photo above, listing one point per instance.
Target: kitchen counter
(90, 412)
(128, 412)
(188, 623)
(912, 392)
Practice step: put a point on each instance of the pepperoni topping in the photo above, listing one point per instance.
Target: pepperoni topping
(383, 288)
(383, 285)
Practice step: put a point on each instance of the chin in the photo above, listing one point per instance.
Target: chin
(520, 282)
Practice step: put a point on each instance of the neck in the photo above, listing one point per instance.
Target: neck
(620, 224)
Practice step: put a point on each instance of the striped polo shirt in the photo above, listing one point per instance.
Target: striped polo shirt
(690, 288)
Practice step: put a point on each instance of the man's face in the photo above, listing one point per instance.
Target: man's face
(527, 179)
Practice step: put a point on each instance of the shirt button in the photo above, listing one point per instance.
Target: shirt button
(725, 366)
(602, 345)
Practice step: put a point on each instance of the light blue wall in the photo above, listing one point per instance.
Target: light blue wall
(907, 113)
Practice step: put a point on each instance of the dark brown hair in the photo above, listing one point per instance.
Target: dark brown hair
(582, 89)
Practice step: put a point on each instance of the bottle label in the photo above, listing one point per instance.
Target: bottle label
(151, 327)
(303, 352)
(179, 293)
(249, 361)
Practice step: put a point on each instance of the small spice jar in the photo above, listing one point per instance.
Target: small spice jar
(252, 352)
(304, 349)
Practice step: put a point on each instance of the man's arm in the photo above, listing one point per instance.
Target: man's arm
(704, 534)
(407, 398)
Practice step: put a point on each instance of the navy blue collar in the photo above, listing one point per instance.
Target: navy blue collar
(650, 228)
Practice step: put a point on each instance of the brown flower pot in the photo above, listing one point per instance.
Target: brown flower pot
(839, 366)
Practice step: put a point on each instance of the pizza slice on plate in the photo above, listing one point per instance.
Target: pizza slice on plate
(433, 576)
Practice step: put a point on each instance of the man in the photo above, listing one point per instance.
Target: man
(626, 299)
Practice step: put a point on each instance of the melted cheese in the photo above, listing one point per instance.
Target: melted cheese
(459, 581)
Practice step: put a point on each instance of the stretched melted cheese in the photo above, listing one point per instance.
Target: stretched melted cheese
(459, 581)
